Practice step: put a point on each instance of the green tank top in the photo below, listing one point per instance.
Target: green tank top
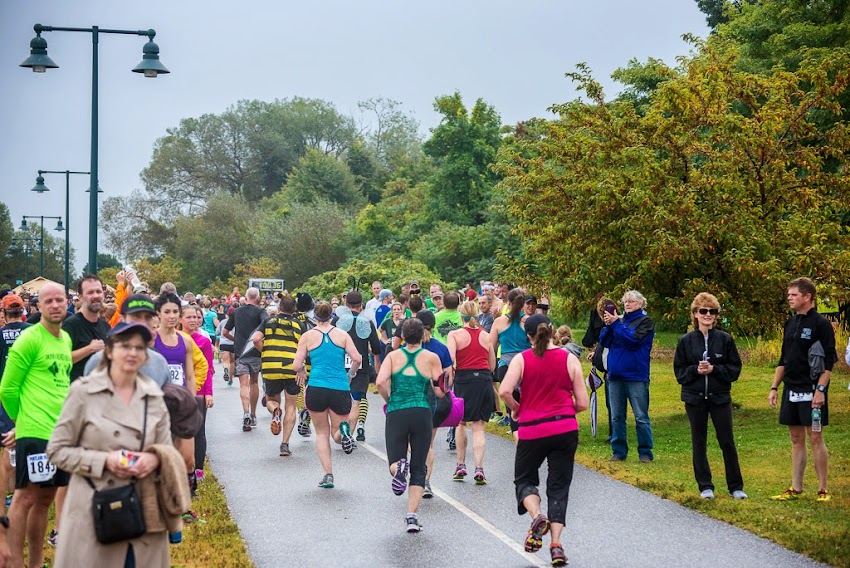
(409, 390)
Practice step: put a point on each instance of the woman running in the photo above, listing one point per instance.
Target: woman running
(328, 396)
(190, 321)
(225, 349)
(507, 333)
(475, 360)
(405, 379)
(552, 393)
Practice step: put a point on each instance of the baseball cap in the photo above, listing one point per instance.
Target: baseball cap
(531, 298)
(34, 301)
(384, 293)
(126, 327)
(437, 295)
(532, 323)
(12, 302)
(427, 318)
(137, 303)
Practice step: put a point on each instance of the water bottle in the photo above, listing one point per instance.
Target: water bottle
(816, 425)
(11, 456)
(135, 282)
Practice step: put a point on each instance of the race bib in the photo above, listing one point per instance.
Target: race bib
(347, 362)
(800, 396)
(177, 376)
(39, 469)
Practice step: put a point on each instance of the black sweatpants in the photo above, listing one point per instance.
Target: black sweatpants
(201, 435)
(559, 452)
(409, 426)
(721, 417)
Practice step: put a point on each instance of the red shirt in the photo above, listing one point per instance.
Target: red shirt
(474, 355)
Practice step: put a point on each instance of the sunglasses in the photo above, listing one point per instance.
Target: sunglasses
(711, 311)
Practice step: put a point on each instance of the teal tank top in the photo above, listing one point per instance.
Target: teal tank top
(328, 366)
(512, 340)
(409, 389)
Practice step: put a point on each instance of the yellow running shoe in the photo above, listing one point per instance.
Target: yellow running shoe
(824, 496)
(789, 494)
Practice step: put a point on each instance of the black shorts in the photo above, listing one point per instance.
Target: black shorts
(28, 447)
(360, 382)
(227, 347)
(475, 387)
(273, 387)
(320, 399)
(800, 413)
(500, 373)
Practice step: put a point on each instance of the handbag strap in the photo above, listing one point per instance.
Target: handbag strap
(141, 448)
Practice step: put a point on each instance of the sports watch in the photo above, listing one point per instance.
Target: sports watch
(821, 388)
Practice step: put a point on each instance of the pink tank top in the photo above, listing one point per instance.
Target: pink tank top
(546, 404)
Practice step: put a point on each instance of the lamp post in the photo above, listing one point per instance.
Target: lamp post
(150, 66)
(13, 248)
(41, 218)
(41, 188)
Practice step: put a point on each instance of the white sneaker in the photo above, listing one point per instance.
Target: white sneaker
(739, 494)
(707, 494)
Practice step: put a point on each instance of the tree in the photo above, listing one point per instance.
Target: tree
(727, 184)
(156, 272)
(394, 138)
(463, 146)
(718, 11)
(8, 260)
(104, 260)
(321, 176)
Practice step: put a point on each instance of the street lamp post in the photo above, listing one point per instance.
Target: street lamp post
(41, 188)
(13, 248)
(150, 66)
(41, 218)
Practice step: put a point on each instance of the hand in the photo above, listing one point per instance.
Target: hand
(818, 399)
(5, 553)
(8, 440)
(96, 345)
(121, 277)
(515, 414)
(113, 464)
(146, 464)
(771, 398)
(209, 400)
(609, 318)
(301, 377)
(590, 354)
(705, 368)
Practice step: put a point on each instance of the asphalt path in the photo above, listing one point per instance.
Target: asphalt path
(286, 519)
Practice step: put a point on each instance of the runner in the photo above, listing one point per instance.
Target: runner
(34, 386)
(328, 395)
(240, 327)
(507, 333)
(552, 393)
(225, 348)
(404, 383)
(190, 321)
(472, 351)
(277, 341)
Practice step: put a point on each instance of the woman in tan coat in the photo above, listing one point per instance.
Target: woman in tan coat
(104, 414)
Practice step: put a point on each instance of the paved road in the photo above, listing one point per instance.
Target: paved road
(287, 520)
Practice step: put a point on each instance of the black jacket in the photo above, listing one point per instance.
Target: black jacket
(722, 353)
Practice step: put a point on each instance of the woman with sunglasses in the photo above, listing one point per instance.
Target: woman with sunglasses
(706, 364)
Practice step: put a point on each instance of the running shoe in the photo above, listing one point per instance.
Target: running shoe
(450, 439)
(400, 477)
(284, 450)
(788, 495)
(199, 474)
(460, 472)
(246, 422)
(739, 494)
(506, 421)
(327, 481)
(276, 424)
(426, 491)
(556, 551)
(253, 421)
(226, 375)
(8, 501)
(53, 538)
(534, 539)
(361, 432)
(192, 517)
(707, 494)
(824, 496)
(413, 525)
(479, 476)
(345, 435)
(304, 422)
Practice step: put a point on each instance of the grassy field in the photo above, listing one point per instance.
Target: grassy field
(818, 530)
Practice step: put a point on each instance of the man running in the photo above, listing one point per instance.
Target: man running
(34, 386)
(245, 320)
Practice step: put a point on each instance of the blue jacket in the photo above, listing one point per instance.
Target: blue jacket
(629, 342)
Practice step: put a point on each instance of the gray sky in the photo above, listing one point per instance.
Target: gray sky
(513, 54)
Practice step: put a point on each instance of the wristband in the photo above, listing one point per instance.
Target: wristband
(774, 388)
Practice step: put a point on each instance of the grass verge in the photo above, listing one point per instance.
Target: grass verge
(818, 530)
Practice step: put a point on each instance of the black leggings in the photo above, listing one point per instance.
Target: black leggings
(409, 426)
(201, 436)
(560, 452)
(721, 417)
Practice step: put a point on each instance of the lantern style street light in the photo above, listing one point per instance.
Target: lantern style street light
(41, 219)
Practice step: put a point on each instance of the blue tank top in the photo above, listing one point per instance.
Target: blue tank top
(512, 340)
(328, 366)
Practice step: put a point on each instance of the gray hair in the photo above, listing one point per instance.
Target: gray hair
(252, 293)
(636, 296)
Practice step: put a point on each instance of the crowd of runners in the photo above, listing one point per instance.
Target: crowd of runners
(449, 359)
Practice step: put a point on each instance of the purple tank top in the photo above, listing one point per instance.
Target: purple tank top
(176, 358)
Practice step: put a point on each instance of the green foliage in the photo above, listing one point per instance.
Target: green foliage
(157, 272)
(394, 140)
(641, 80)
(463, 146)
(391, 269)
(725, 185)
(460, 253)
(321, 176)
(262, 267)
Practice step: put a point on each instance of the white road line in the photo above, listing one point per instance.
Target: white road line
(478, 519)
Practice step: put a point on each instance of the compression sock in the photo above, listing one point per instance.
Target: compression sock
(364, 410)
(299, 402)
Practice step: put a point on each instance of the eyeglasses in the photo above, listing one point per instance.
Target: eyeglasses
(711, 311)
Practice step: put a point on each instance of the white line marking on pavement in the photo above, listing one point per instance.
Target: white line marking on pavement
(481, 521)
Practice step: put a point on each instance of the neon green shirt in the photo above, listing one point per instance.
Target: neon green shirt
(36, 380)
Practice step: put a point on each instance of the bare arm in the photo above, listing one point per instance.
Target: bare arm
(582, 402)
(352, 352)
(451, 344)
(491, 353)
(509, 383)
(384, 380)
(257, 340)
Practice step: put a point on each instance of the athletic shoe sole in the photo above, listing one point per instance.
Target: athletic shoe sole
(361, 434)
(246, 425)
(400, 477)
(346, 440)
(479, 478)
(539, 527)
(303, 425)
(413, 527)
(276, 425)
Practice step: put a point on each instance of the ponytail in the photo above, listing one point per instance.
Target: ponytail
(541, 338)
(468, 311)
(516, 300)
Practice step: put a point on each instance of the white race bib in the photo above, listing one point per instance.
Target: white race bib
(176, 372)
(347, 362)
(39, 469)
(800, 396)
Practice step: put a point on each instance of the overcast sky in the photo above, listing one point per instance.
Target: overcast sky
(513, 54)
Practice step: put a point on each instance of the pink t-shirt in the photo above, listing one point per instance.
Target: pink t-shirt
(206, 348)
(547, 391)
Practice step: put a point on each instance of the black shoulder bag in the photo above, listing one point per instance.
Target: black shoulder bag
(118, 512)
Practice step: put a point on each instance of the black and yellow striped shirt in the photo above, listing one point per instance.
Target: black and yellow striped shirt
(280, 342)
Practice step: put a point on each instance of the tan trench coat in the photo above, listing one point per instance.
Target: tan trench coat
(93, 423)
